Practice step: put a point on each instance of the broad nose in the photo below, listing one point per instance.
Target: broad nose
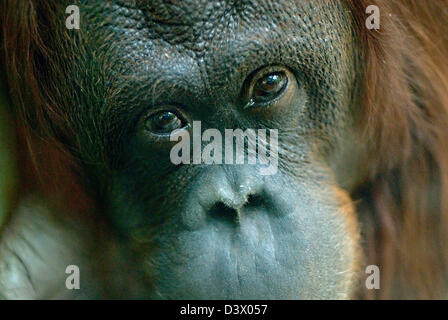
(233, 190)
(224, 193)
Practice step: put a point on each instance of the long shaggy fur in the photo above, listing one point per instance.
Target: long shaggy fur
(402, 120)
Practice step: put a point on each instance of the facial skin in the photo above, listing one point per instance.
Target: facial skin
(216, 231)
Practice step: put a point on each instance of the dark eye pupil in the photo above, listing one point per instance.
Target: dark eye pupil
(166, 118)
(271, 82)
(269, 86)
(163, 122)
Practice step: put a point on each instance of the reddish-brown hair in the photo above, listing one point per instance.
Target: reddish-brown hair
(45, 165)
(403, 122)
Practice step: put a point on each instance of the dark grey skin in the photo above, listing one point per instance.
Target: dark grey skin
(206, 231)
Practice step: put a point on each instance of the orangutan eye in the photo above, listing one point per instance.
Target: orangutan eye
(164, 122)
(266, 87)
(270, 86)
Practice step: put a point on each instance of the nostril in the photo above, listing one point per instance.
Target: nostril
(254, 200)
(222, 213)
(229, 214)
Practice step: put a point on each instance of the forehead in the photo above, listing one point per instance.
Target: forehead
(218, 43)
(220, 12)
(200, 21)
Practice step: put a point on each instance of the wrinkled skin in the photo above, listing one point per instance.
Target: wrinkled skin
(289, 236)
